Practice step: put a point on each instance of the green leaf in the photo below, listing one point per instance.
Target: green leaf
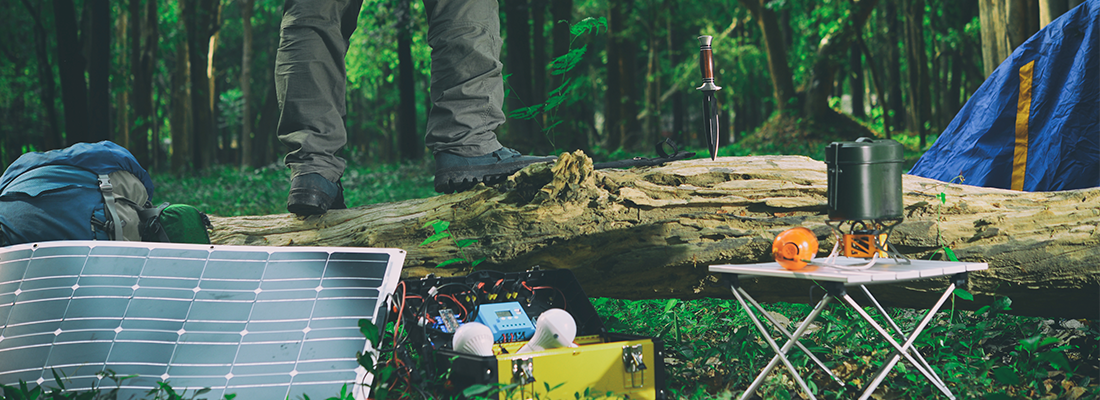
(1006, 375)
(671, 303)
(477, 261)
(1057, 359)
(232, 396)
(587, 25)
(963, 294)
(440, 235)
(950, 254)
(57, 379)
(475, 390)
(526, 112)
(440, 226)
(566, 62)
(449, 262)
(370, 331)
(943, 197)
(431, 223)
(465, 243)
(982, 310)
(202, 391)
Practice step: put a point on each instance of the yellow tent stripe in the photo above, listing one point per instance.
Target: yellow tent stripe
(1023, 113)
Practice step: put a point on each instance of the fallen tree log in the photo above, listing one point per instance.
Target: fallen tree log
(652, 232)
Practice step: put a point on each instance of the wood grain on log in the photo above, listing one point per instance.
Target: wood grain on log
(652, 232)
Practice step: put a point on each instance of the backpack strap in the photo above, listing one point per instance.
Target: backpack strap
(106, 189)
(151, 229)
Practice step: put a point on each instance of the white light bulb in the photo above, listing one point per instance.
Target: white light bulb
(473, 338)
(555, 328)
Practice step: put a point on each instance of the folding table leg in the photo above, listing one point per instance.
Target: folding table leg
(780, 353)
(901, 333)
(902, 350)
(789, 336)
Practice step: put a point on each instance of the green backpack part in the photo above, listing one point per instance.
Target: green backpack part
(182, 223)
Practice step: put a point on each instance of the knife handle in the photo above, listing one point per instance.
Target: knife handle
(706, 58)
(706, 65)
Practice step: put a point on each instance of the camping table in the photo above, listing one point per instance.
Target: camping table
(835, 281)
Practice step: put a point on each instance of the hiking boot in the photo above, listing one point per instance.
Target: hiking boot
(454, 173)
(312, 194)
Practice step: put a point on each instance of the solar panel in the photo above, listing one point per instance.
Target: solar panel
(260, 322)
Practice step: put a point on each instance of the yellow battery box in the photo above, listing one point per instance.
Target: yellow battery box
(603, 363)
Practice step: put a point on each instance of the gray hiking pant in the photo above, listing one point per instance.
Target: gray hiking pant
(467, 88)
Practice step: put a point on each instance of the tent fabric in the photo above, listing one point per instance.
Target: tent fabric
(1033, 125)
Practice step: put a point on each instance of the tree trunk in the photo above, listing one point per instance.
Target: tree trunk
(652, 232)
(880, 91)
(246, 83)
(829, 56)
(521, 132)
(1005, 24)
(52, 138)
(538, 66)
(70, 61)
(1049, 10)
(99, 71)
(855, 80)
(198, 17)
(919, 101)
(144, 41)
(569, 133)
(894, 102)
(181, 133)
(613, 113)
(778, 67)
(408, 136)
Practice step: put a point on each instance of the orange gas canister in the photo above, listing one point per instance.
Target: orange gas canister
(794, 248)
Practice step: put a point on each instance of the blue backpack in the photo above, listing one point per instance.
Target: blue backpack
(88, 191)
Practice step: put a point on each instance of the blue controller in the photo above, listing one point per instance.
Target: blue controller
(507, 321)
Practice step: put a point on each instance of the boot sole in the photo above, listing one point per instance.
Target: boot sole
(460, 179)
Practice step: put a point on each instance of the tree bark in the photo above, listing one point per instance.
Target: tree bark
(775, 44)
(855, 80)
(894, 102)
(652, 232)
(246, 83)
(1049, 10)
(144, 41)
(880, 91)
(521, 132)
(408, 136)
(919, 100)
(1005, 24)
(52, 138)
(199, 17)
(71, 64)
(829, 56)
(99, 71)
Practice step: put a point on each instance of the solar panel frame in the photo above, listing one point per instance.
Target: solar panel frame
(260, 322)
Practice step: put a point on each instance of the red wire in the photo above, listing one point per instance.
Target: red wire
(455, 300)
(565, 303)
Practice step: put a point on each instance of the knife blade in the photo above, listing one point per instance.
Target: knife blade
(710, 103)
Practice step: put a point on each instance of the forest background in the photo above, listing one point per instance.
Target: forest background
(187, 84)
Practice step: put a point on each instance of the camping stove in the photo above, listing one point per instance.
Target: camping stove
(865, 196)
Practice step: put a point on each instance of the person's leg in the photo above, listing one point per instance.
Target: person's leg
(467, 93)
(310, 85)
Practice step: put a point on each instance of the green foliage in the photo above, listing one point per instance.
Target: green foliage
(439, 229)
(228, 191)
(561, 65)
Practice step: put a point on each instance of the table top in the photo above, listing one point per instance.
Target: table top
(885, 270)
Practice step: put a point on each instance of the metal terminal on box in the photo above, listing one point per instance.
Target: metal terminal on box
(634, 363)
(523, 370)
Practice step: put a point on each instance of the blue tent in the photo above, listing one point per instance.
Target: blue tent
(1033, 125)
